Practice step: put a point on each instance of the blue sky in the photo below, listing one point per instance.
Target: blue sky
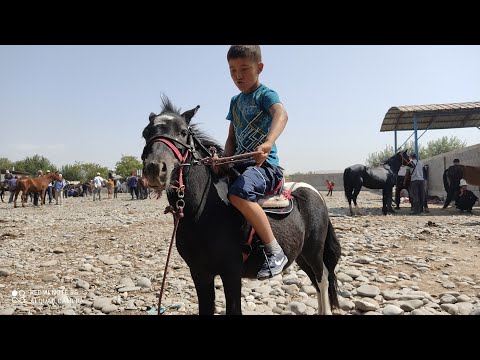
(91, 103)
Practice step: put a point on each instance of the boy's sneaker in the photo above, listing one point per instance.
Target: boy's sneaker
(273, 265)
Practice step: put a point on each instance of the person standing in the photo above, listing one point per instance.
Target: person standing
(417, 187)
(133, 185)
(454, 174)
(12, 185)
(330, 187)
(400, 185)
(59, 185)
(97, 184)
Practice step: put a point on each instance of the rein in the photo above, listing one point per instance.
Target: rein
(177, 211)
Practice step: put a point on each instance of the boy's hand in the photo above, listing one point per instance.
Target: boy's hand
(265, 148)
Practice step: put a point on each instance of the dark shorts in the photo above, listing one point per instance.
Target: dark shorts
(254, 182)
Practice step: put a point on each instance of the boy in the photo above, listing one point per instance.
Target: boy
(257, 118)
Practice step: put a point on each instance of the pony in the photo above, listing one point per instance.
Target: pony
(211, 232)
(33, 185)
(379, 177)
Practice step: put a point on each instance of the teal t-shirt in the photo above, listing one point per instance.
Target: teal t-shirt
(252, 120)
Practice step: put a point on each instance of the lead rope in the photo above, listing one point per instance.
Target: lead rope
(177, 215)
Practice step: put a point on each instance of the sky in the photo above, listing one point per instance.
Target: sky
(80, 103)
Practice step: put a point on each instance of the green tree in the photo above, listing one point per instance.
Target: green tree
(127, 164)
(443, 145)
(6, 164)
(83, 171)
(32, 164)
(434, 147)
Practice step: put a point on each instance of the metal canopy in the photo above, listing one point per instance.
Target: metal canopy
(436, 116)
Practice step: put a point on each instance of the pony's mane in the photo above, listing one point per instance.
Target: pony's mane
(168, 107)
(205, 139)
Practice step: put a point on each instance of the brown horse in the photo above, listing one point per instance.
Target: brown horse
(110, 185)
(471, 174)
(142, 186)
(33, 185)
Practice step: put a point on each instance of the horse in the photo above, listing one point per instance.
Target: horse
(3, 187)
(471, 174)
(379, 177)
(211, 232)
(110, 185)
(33, 185)
(142, 186)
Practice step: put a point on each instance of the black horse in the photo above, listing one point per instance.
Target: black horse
(380, 177)
(211, 233)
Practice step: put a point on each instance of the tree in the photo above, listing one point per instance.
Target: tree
(83, 171)
(434, 147)
(6, 164)
(32, 164)
(443, 145)
(127, 164)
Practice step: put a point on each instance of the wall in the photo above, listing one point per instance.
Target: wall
(469, 155)
(319, 181)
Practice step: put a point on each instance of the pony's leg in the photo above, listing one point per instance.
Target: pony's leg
(232, 285)
(320, 286)
(15, 198)
(204, 284)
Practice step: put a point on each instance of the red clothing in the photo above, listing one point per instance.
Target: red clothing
(329, 185)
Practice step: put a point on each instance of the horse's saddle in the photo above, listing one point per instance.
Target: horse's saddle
(279, 203)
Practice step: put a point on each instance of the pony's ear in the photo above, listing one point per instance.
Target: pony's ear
(152, 117)
(189, 114)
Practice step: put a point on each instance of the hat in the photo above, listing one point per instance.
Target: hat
(98, 174)
(48, 171)
(456, 161)
(463, 182)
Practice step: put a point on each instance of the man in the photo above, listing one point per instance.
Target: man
(466, 198)
(417, 186)
(400, 185)
(454, 174)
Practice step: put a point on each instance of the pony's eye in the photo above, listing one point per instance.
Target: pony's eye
(184, 132)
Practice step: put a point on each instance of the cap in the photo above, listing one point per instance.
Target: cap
(463, 182)
(48, 171)
(456, 161)
(98, 174)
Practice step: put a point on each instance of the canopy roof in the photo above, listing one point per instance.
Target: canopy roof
(435, 116)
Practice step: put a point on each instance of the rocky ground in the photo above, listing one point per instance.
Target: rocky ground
(107, 257)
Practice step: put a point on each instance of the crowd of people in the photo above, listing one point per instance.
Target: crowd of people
(60, 189)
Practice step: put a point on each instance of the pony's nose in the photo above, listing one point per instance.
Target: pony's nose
(154, 169)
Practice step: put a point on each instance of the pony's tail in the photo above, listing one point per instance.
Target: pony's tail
(346, 187)
(331, 255)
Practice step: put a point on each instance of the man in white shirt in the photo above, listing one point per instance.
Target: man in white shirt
(399, 186)
(97, 186)
(417, 189)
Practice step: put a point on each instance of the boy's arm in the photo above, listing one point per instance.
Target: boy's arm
(279, 122)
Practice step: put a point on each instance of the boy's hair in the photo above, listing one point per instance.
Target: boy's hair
(251, 52)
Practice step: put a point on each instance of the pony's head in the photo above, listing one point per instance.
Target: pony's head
(400, 158)
(170, 139)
